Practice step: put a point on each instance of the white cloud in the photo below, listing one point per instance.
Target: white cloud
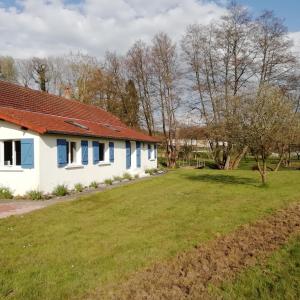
(51, 27)
(295, 36)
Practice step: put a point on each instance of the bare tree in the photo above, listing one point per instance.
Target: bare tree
(40, 72)
(266, 119)
(8, 71)
(139, 66)
(24, 68)
(227, 60)
(166, 80)
(276, 63)
(80, 71)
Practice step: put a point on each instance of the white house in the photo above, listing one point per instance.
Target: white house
(46, 140)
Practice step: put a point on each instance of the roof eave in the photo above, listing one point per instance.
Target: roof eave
(27, 125)
(99, 136)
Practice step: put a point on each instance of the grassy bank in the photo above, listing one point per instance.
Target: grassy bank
(277, 279)
(66, 250)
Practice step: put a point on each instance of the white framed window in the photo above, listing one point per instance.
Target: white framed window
(101, 152)
(10, 151)
(72, 150)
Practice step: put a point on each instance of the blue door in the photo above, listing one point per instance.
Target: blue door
(128, 155)
(138, 154)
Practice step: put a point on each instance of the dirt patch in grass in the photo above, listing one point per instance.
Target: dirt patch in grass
(189, 275)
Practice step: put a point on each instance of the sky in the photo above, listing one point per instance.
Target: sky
(288, 10)
(56, 27)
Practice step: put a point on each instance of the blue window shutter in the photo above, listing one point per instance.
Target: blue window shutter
(149, 151)
(85, 152)
(95, 152)
(27, 153)
(128, 155)
(111, 152)
(138, 154)
(61, 153)
(155, 151)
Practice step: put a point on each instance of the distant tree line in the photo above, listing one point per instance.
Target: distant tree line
(238, 75)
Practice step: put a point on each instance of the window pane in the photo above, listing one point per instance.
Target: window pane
(73, 152)
(8, 157)
(67, 154)
(18, 152)
(101, 152)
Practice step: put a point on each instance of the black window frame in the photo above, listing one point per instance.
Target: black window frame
(14, 155)
(101, 152)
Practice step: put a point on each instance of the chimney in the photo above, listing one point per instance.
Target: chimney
(67, 92)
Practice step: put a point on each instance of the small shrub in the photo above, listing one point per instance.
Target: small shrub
(161, 168)
(35, 195)
(94, 184)
(127, 176)
(78, 187)
(151, 171)
(5, 193)
(212, 165)
(60, 190)
(117, 178)
(108, 181)
(136, 176)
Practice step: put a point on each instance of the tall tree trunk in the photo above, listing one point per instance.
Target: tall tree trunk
(262, 170)
(238, 158)
(280, 160)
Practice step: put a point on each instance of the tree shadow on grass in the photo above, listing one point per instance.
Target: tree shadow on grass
(222, 178)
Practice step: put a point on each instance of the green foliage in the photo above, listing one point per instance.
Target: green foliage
(107, 236)
(60, 190)
(151, 171)
(136, 176)
(108, 181)
(94, 184)
(78, 187)
(127, 176)
(117, 178)
(35, 195)
(5, 193)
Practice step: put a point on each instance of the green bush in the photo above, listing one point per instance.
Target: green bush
(35, 195)
(136, 176)
(60, 190)
(94, 184)
(151, 171)
(5, 193)
(117, 178)
(127, 176)
(78, 187)
(161, 168)
(108, 181)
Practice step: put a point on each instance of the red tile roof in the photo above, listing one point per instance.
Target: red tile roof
(45, 113)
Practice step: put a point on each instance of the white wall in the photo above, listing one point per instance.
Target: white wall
(46, 174)
(52, 175)
(17, 179)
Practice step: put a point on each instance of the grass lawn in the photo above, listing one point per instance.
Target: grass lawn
(277, 279)
(66, 250)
